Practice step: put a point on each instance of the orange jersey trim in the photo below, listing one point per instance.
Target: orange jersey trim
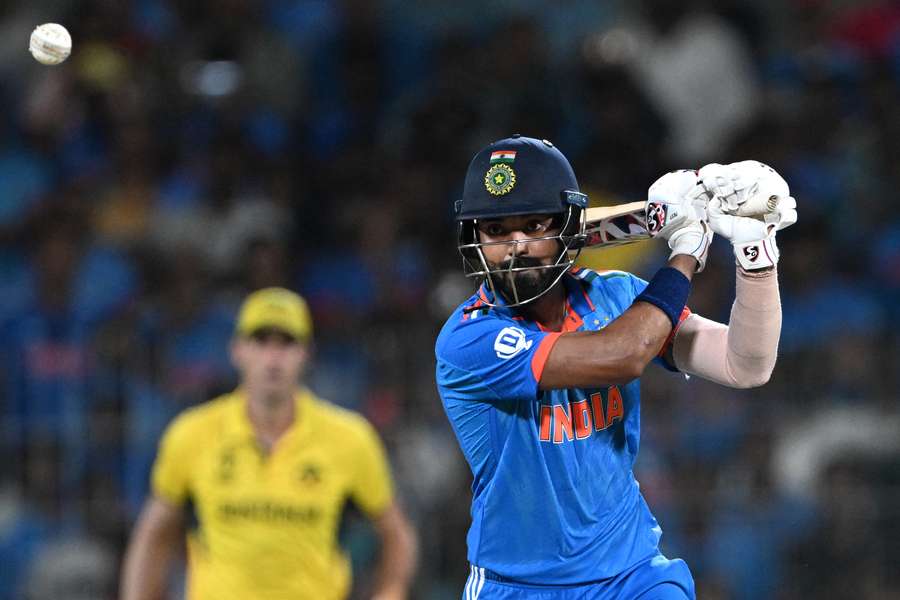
(470, 309)
(685, 313)
(539, 359)
(571, 323)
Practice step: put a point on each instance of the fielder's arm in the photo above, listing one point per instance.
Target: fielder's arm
(399, 552)
(155, 542)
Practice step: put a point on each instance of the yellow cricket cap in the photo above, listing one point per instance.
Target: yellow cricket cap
(275, 308)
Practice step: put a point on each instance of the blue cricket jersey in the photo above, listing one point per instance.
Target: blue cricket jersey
(554, 497)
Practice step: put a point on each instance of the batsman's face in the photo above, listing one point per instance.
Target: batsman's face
(517, 241)
(269, 361)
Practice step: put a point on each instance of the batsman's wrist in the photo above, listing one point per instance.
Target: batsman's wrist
(763, 273)
(686, 264)
(758, 273)
(692, 240)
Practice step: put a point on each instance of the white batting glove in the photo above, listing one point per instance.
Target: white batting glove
(753, 240)
(676, 212)
(692, 238)
(750, 203)
(674, 199)
(749, 188)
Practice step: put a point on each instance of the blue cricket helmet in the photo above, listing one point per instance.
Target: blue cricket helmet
(518, 175)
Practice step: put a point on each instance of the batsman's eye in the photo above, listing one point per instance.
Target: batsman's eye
(492, 229)
(537, 225)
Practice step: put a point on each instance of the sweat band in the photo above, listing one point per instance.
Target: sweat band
(668, 291)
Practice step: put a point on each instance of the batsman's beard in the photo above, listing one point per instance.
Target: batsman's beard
(528, 284)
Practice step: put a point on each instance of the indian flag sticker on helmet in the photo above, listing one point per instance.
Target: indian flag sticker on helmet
(499, 179)
(503, 156)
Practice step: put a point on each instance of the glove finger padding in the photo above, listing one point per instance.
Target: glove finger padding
(748, 182)
(673, 200)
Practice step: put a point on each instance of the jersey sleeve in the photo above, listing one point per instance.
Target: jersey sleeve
(171, 478)
(492, 359)
(372, 489)
(664, 358)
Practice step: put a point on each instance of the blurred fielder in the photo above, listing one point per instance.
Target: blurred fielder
(266, 472)
(538, 370)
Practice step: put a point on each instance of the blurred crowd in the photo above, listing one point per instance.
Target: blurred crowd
(191, 151)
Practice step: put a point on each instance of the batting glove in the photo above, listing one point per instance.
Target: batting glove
(676, 212)
(674, 199)
(750, 203)
(749, 188)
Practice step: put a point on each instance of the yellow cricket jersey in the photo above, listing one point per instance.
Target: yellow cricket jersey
(267, 523)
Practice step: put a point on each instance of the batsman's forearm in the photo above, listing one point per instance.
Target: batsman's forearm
(743, 353)
(620, 352)
(616, 354)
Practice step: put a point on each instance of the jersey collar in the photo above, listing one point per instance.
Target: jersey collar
(240, 426)
(576, 291)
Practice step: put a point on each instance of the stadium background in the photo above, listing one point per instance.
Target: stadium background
(191, 151)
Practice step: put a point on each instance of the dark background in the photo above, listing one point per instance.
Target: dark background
(190, 151)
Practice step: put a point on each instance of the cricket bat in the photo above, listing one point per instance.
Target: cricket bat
(617, 224)
(627, 223)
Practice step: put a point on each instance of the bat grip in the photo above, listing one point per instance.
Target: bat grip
(758, 206)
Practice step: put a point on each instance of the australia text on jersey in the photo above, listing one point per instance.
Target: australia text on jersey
(579, 420)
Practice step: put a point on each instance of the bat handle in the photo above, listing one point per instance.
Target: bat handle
(758, 206)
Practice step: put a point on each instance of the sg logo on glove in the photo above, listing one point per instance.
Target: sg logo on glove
(752, 253)
(510, 341)
(656, 217)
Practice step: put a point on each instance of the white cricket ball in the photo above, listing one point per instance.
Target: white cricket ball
(50, 43)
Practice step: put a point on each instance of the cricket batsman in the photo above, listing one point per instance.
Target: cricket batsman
(539, 370)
